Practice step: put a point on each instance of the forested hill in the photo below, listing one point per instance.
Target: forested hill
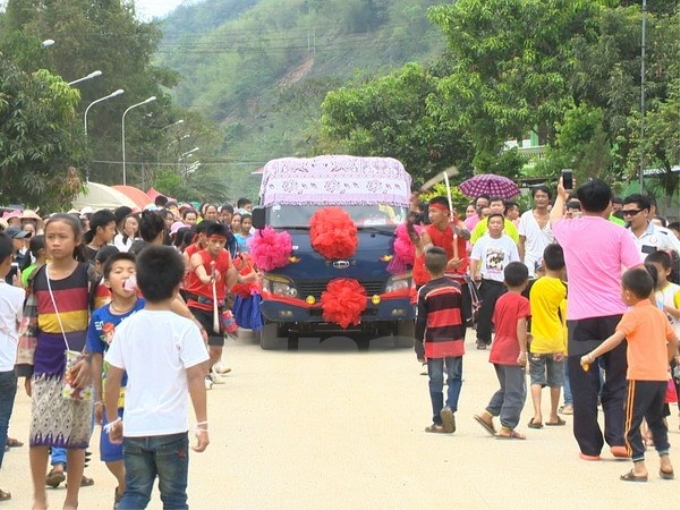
(261, 68)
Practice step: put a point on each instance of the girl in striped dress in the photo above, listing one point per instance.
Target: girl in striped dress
(60, 297)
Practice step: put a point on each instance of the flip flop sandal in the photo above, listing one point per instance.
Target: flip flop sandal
(534, 425)
(5, 496)
(666, 475)
(557, 423)
(632, 477)
(54, 478)
(14, 443)
(489, 428)
(514, 435)
(434, 429)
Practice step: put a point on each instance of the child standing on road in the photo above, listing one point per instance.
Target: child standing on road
(11, 305)
(58, 313)
(118, 271)
(509, 355)
(548, 345)
(164, 357)
(439, 326)
(651, 344)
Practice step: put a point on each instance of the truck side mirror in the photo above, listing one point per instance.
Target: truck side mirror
(259, 217)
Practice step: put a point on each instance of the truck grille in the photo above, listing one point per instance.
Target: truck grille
(316, 287)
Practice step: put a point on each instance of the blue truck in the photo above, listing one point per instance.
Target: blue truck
(374, 194)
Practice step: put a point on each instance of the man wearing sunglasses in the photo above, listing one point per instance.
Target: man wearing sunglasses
(647, 236)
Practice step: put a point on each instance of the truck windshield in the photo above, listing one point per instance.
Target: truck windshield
(283, 216)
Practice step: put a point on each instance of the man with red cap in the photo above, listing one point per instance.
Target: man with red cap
(448, 232)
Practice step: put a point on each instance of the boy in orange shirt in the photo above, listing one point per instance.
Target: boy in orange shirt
(651, 343)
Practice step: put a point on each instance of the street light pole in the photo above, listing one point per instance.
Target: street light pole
(93, 74)
(146, 101)
(643, 83)
(112, 94)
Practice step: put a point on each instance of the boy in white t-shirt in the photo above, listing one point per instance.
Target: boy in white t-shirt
(490, 255)
(11, 309)
(165, 360)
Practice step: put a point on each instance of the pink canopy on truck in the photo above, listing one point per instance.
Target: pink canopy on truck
(335, 180)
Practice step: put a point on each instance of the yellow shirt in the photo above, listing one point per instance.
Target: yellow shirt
(509, 228)
(546, 298)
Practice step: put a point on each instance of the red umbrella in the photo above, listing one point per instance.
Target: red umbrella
(489, 184)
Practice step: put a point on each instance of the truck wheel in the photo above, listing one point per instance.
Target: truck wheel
(269, 336)
(405, 336)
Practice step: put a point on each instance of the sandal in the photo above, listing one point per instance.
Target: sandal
(86, 481)
(513, 434)
(5, 496)
(487, 426)
(54, 478)
(632, 477)
(435, 429)
(557, 423)
(666, 475)
(14, 443)
(534, 425)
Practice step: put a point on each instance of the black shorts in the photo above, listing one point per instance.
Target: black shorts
(205, 318)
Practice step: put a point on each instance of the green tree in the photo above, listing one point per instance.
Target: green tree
(102, 36)
(389, 117)
(38, 145)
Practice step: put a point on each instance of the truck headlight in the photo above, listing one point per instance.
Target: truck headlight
(279, 286)
(398, 283)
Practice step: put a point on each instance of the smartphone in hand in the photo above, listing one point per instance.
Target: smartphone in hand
(567, 179)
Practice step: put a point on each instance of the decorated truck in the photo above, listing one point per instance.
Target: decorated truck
(333, 249)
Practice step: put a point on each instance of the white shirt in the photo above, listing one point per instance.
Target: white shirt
(123, 247)
(537, 239)
(11, 312)
(654, 239)
(156, 348)
(666, 297)
(493, 255)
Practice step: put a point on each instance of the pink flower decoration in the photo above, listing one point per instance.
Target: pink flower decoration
(404, 250)
(270, 249)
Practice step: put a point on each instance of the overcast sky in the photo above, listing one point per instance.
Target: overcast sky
(147, 9)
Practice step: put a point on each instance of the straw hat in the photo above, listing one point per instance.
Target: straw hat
(3, 224)
(29, 214)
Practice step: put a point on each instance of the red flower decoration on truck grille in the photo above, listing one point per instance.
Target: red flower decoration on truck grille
(333, 233)
(343, 301)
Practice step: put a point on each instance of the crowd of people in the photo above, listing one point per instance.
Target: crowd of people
(77, 288)
(610, 340)
(88, 297)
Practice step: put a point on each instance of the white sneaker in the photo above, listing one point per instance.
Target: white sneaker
(220, 369)
(208, 382)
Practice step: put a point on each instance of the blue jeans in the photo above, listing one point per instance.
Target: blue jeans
(454, 380)
(568, 399)
(147, 457)
(8, 390)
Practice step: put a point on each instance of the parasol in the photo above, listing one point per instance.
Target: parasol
(489, 184)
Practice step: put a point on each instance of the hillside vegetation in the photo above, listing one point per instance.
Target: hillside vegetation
(261, 68)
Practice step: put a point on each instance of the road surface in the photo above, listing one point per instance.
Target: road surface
(330, 427)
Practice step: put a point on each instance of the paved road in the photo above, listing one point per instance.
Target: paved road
(329, 427)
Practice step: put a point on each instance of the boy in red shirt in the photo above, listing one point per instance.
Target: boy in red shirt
(651, 344)
(211, 271)
(509, 355)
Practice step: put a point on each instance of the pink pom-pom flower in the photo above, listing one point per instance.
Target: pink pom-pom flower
(270, 249)
(404, 249)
